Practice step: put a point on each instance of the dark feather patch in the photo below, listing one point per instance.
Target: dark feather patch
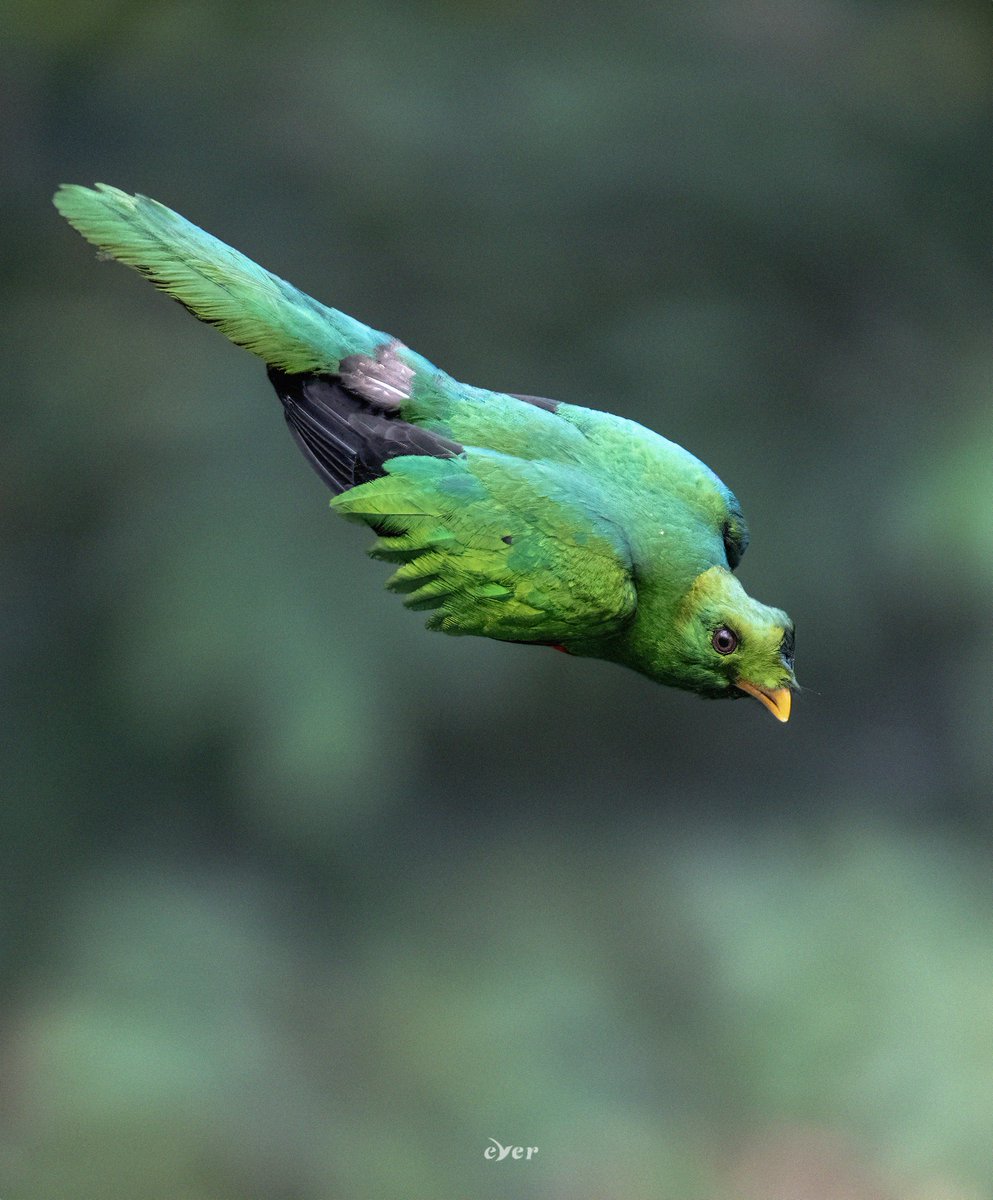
(787, 647)
(345, 438)
(537, 401)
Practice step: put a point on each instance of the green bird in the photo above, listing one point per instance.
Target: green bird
(509, 517)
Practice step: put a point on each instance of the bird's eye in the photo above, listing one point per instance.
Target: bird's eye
(724, 641)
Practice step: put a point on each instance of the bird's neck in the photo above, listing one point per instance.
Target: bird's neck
(649, 643)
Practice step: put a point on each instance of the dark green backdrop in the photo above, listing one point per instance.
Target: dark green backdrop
(301, 902)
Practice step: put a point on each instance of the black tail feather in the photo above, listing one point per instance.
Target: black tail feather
(345, 438)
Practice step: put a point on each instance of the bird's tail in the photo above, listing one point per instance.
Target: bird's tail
(255, 309)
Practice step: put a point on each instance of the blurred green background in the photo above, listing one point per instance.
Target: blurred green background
(301, 902)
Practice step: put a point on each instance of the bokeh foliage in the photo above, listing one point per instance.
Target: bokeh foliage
(302, 902)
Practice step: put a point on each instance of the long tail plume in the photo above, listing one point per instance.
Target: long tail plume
(252, 307)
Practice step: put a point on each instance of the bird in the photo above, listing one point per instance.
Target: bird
(506, 516)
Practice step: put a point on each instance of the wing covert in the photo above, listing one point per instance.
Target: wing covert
(497, 547)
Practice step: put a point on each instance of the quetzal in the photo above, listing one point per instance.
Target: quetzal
(511, 517)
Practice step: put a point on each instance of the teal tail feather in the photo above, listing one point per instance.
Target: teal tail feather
(252, 307)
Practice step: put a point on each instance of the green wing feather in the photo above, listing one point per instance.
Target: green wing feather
(497, 546)
(252, 307)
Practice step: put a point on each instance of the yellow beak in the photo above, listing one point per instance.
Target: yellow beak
(777, 701)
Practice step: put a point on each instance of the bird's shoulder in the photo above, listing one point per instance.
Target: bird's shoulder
(670, 503)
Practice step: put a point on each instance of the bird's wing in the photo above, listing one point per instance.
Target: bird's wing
(499, 547)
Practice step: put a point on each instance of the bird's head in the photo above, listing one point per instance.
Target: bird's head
(724, 643)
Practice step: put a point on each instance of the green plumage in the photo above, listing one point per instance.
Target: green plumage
(494, 549)
(505, 517)
(255, 309)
